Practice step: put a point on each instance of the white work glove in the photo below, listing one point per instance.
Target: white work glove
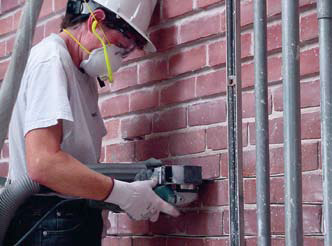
(139, 200)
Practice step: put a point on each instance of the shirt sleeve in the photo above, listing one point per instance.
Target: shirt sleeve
(47, 96)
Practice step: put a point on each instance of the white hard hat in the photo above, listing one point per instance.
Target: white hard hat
(137, 13)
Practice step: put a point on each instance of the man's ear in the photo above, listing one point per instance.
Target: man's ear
(98, 14)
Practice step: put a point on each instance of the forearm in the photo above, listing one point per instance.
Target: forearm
(66, 175)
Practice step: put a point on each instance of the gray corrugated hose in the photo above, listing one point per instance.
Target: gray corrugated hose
(24, 187)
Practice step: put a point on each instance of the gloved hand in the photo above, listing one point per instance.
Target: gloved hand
(139, 200)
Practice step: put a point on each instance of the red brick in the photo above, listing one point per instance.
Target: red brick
(60, 5)
(10, 45)
(273, 7)
(53, 25)
(124, 78)
(169, 225)
(140, 100)
(247, 45)
(3, 169)
(2, 48)
(214, 193)
(205, 3)
(8, 5)
(187, 61)
(309, 27)
(181, 90)
(187, 143)
(309, 61)
(211, 83)
(46, 9)
(152, 70)
(136, 126)
(248, 106)
(313, 241)
(217, 53)
(175, 241)
(247, 12)
(274, 38)
(216, 138)
(275, 131)
(153, 241)
(3, 69)
(310, 125)
(17, 18)
(165, 38)
(249, 191)
(115, 106)
(247, 75)
(212, 25)
(307, 3)
(274, 69)
(310, 95)
(117, 241)
(170, 120)
(210, 164)
(156, 147)
(123, 152)
(207, 113)
(312, 186)
(39, 34)
(173, 8)
(206, 223)
(6, 24)
(123, 225)
(5, 151)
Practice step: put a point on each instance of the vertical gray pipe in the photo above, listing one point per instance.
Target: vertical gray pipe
(262, 126)
(21, 50)
(234, 114)
(292, 123)
(325, 43)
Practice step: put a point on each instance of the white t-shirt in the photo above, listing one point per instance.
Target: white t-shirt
(53, 88)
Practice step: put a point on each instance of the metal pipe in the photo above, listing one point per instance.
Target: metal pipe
(234, 105)
(292, 123)
(262, 125)
(324, 11)
(12, 80)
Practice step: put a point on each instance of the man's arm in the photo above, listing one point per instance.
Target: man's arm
(48, 165)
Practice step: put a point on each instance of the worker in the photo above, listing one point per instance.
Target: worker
(56, 127)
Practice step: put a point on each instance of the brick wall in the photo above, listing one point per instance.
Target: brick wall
(172, 105)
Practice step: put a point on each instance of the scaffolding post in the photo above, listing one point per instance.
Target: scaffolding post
(234, 106)
(325, 43)
(262, 125)
(292, 123)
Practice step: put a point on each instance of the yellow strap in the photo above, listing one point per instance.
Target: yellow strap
(107, 60)
(78, 42)
(94, 17)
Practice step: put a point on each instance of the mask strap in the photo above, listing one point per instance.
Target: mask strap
(107, 60)
(94, 17)
(78, 42)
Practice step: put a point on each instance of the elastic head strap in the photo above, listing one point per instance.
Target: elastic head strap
(95, 19)
(78, 42)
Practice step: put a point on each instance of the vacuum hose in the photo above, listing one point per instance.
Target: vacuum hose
(11, 198)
